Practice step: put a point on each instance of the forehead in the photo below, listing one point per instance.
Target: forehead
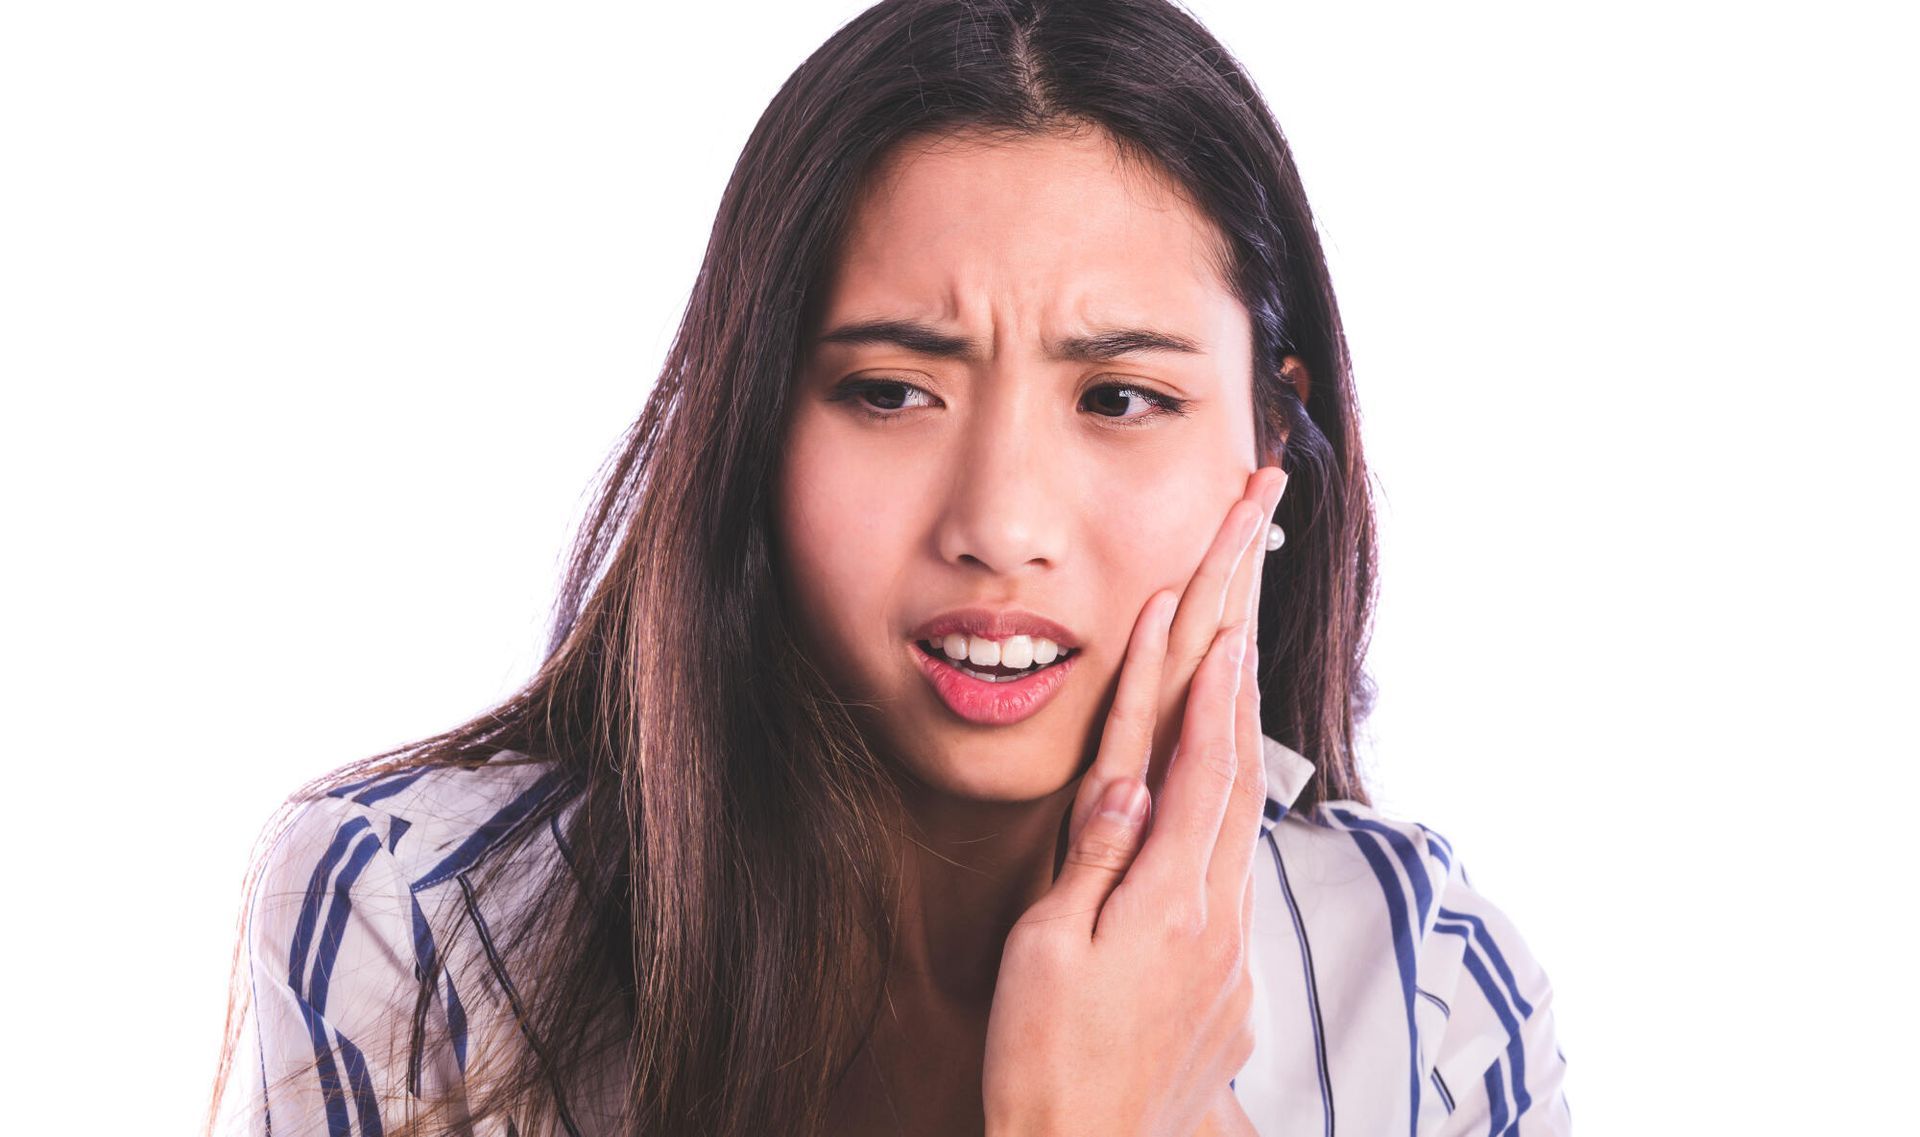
(1055, 230)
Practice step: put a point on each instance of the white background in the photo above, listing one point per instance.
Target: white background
(316, 322)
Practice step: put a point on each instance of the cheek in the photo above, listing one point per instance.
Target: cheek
(839, 538)
(1168, 520)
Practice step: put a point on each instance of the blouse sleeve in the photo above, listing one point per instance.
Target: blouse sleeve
(335, 945)
(1498, 1068)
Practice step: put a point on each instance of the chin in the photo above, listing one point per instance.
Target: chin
(986, 770)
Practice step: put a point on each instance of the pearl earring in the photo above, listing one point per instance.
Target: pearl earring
(1276, 537)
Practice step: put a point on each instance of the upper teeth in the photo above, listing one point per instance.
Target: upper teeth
(1014, 651)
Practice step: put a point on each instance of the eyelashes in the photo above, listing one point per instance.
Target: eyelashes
(1164, 405)
(853, 392)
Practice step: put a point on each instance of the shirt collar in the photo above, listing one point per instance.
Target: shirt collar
(1288, 772)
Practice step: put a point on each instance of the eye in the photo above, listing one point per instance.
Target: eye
(891, 393)
(885, 399)
(1162, 405)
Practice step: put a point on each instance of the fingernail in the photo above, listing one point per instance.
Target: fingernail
(1125, 800)
(1237, 648)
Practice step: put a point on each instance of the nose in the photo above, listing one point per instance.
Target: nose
(1005, 508)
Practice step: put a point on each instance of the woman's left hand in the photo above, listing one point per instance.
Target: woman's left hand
(1211, 600)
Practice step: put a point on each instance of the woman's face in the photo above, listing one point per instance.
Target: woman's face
(969, 462)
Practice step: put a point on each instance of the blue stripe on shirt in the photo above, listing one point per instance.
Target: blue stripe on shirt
(348, 789)
(329, 1075)
(1485, 940)
(337, 914)
(338, 1124)
(1401, 923)
(377, 786)
(328, 954)
(1496, 1100)
(1402, 848)
(1497, 1002)
(495, 827)
(1442, 848)
(393, 786)
(1313, 986)
(362, 1089)
(316, 889)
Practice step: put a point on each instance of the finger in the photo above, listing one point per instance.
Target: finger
(1240, 827)
(1268, 482)
(1189, 807)
(1203, 601)
(1096, 859)
(1277, 491)
(1218, 589)
(1126, 741)
(1195, 623)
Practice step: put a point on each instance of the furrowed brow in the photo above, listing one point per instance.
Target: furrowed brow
(1116, 342)
(924, 339)
(907, 335)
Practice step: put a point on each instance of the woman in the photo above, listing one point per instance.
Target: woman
(956, 514)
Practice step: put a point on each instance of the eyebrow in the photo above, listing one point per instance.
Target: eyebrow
(925, 339)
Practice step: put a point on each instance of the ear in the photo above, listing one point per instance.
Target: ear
(1293, 372)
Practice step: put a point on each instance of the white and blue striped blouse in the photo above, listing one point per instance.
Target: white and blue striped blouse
(1389, 996)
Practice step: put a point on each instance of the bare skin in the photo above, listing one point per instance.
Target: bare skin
(923, 1068)
(1000, 480)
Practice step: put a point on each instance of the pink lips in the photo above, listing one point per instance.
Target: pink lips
(991, 704)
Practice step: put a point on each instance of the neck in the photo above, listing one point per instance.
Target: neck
(972, 869)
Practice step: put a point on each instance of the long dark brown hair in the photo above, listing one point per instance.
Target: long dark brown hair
(735, 881)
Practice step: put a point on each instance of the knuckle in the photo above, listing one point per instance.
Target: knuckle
(1256, 796)
(1185, 922)
(1232, 633)
(1243, 998)
(1036, 940)
(1130, 717)
(1252, 787)
(1190, 661)
(1218, 759)
(1243, 1041)
(1101, 848)
(1223, 956)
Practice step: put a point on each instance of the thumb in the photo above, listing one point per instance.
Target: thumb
(1099, 854)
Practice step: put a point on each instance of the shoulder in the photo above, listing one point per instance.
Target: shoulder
(1372, 885)
(1406, 932)
(1347, 841)
(374, 849)
(439, 820)
(1412, 885)
(357, 912)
